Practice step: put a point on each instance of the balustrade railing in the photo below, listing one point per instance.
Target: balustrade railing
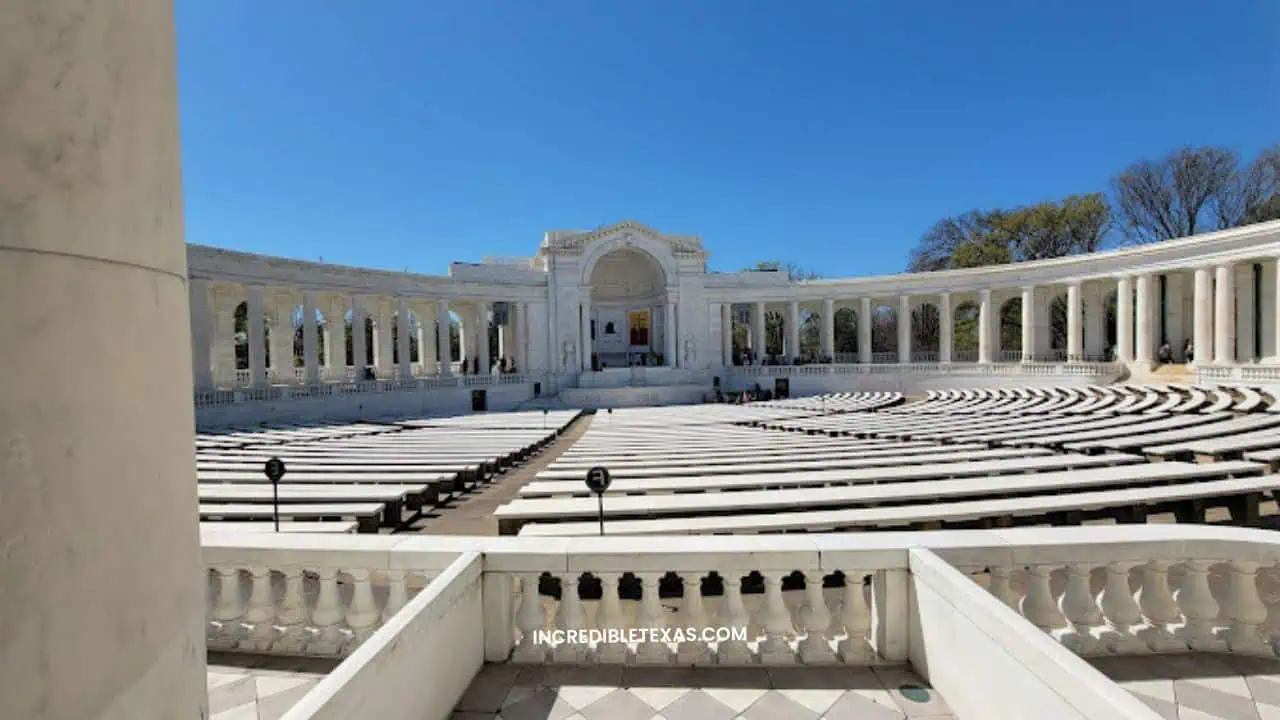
(884, 357)
(214, 398)
(285, 595)
(819, 599)
(924, 356)
(964, 356)
(927, 368)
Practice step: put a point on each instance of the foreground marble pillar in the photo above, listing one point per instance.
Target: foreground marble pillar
(102, 584)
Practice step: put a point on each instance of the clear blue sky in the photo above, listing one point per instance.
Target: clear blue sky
(408, 134)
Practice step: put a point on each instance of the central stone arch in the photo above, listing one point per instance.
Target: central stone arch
(628, 291)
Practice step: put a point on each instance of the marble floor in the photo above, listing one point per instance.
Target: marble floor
(258, 687)
(510, 692)
(1200, 686)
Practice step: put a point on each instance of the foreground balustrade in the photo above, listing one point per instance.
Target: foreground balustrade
(214, 398)
(291, 596)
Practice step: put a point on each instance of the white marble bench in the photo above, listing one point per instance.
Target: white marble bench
(522, 511)
(1217, 428)
(368, 516)
(1219, 448)
(1005, 461)
(291, 526)
(1187, 500)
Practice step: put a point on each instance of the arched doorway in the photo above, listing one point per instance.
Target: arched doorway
(628, 306)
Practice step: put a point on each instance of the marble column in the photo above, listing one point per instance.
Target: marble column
(383, 354)
(1202, 317)
(828, 329)
(726, 334)
(1144, 337)
(335, 338)
(984, 326)
(1246, 314)
(405, 364)
(201, 335)
(904, 328)
(1028, 323)
(1275, 315)
(522, 337)
(426, 314)
(758, 342)
(254, 331)
(506, 335)
(1224, 321)
(359, 342)
(1124, 320)
(444, 341)
(482, 338)
(864, 330)
(1095, 320)
(1074, 320)
(669, 330)
(793, 331)
(102, 580)
(584, 331)
(282, 333)
(946, 328)
(310, 360)
(224, 337)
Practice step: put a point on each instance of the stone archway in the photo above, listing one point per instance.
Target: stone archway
(628, 308)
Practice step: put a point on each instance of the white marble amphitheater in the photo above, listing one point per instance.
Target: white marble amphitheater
(920, 523)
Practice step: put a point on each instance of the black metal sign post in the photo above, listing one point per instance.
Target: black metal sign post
(275, 470)
(598, 480)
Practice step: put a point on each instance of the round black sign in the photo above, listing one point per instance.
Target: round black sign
(598, 479)
(274, 469)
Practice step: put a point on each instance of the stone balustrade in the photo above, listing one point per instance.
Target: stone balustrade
(1093, 369)
(214, 398)
(298, 595)
(773, 600)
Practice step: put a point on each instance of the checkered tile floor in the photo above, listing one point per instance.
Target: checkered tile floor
(510, 692)
(1200, 686)
(252, 687)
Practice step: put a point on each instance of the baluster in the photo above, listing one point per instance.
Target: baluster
(775, 648)
(734, 615)
(397, 593)
(651, 618)
(224, 631)
(856, 648)
(362, 616)
(816, 618)
(1245, 610)
(530, 618)
(570, 618)
(1198, 607)
(1159, 607)
(259, 632)
(1120, 611)
(1081, 611)
(610, 619)
(693, 650)
(1038, 606)
(327, 637)
(291, 618)
(999, 586)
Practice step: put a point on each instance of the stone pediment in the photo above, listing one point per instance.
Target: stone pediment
(561, 242)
